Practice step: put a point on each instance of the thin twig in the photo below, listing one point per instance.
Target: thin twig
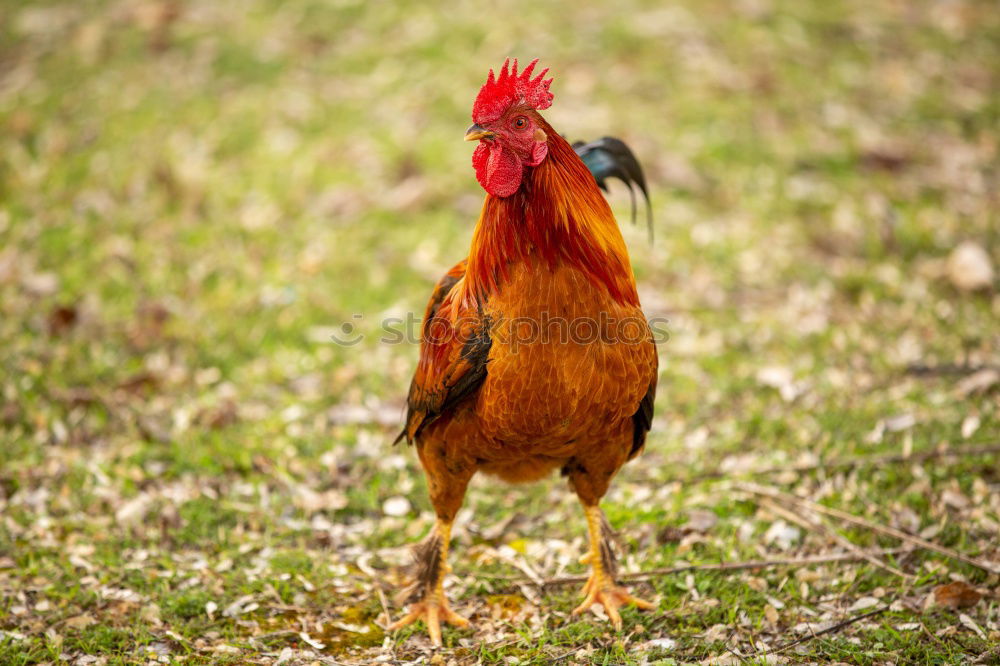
(922, 369)
(848, 463)
(552, 660)
(383, 602)
(828, 630)
(274, 634)
(514, 582)
(774, 493)
(817, 525)
(932, 636)
(733, 650)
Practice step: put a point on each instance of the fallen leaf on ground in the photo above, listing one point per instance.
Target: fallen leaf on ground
(81, 621)
(701, 520)
(970, 424)
(969, 267)
(957, 594)
(61, 319)
(396, 506)
(771, 613)
(782, 534)
(978, 382)
(864, 603)
(311, 641)
(969, 623)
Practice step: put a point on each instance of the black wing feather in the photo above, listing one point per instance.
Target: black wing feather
(476, 351)
(642, 420)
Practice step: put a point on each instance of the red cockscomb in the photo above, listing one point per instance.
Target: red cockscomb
(500, 93)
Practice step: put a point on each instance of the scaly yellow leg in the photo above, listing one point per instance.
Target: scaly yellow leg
(426, 597)
(601, 587)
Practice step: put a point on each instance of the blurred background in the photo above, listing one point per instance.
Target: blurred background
(194, 197)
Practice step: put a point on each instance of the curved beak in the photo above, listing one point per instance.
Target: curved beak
(476, 132)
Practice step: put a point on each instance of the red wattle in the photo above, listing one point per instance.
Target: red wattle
(499, 171)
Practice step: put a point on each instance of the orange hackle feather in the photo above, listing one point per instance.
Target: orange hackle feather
(558, 215)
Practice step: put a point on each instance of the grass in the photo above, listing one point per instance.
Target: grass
(194, 198)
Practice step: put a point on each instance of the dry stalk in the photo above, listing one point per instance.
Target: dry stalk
(774, 493)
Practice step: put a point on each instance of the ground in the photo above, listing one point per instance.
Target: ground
(197, 198)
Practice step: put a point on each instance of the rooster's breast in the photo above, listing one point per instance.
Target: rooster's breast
(567, 364)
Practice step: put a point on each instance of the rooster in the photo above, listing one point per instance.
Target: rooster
(535, 354)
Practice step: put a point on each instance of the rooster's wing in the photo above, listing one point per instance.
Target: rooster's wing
(454, 347)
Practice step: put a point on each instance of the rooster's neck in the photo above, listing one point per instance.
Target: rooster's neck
(557, 216)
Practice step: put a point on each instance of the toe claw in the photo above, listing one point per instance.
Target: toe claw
(453, 618)
(433, 624)
(614, 616)
(409, 618)
(641, 604)
(611, 597)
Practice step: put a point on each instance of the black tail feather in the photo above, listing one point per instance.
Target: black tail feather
(611, 158)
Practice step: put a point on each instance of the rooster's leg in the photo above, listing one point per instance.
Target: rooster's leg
(447, 479)
(425, 596)
(601, 587)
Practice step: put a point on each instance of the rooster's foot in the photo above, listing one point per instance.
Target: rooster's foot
(425, 596)
(432, 611)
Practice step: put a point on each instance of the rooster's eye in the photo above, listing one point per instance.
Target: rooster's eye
(520, 123)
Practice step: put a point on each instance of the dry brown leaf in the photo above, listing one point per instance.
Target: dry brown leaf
(957, 594)
(81, 621)
(669, 534)
(61, 319)
(771, 613)
(223, 415)
(147, 328)
(700, 520)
